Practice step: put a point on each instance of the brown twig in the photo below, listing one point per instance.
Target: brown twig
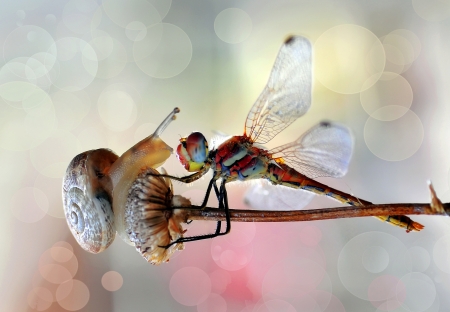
(237, 215)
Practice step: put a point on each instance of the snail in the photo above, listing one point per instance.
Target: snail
(104, 194)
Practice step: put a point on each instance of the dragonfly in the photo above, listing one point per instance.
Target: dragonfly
(322, 151)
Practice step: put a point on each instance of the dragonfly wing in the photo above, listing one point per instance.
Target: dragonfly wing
(218, 138)
(266, 196)
(323, 151)
(287, 94)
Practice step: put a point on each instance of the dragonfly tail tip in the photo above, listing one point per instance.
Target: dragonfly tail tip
(415, 227)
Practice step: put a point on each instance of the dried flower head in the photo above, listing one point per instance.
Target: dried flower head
(149, 224)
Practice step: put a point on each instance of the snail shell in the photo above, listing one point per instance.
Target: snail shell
(87, 199)
(104, 194)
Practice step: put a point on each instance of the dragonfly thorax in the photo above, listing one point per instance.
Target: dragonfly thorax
(238, 159)
(192, 151)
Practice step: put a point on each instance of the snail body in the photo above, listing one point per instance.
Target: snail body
(104, 194)
(148, 153)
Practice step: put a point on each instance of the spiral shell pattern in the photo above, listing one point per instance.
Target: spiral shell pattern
(87, 205)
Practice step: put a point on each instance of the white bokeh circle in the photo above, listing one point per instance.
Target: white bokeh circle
(375, 259)
(27, 41)
(352, 269)
(14, 89)
(92, 137)
(51, 157)
(181, 286)
(441, 253)
(402, 44)
(229, 254)
(77, 15)
(386, 292)
(136, 31)
(21, 14)
(55, 273)
(101, 42)
(310, 235)
(40, 298)
(163, 6)
(432, 10)
(29, 204)
(233, 25)
(112, 281)
(412, 39)
(392, 53)
(31, 124)
(118, 106)
(50, 19)
(123, 12)
(70, 108)
(33, 70)
(291, 276)
(394, 140)
(24, 77)
(275, 305)
(48, 185)
(220, 279)
(392, 91)
(60, 253)
(214, 303)
(14, 173)
(78, 64)
(72, 295)
(419, 291)
(53, 269)
(111, 54)
(421, 258)
(346, 56)
(164, 52)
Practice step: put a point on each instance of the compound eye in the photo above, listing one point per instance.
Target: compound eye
(183, 156)
(197, 147)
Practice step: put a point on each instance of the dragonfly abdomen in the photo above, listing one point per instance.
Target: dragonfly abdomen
(284, 175)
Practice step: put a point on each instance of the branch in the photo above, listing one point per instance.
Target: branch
(238, 215)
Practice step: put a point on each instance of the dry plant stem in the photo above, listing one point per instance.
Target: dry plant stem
(237, 215)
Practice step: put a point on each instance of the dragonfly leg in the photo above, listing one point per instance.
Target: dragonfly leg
(223, 204)
(227, 210)
(205, 199)
(219, 198)
(187, 179)
(211, 184)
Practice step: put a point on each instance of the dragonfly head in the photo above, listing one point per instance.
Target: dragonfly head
(192, 151)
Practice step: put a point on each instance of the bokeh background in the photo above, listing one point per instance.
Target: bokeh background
(77, 75)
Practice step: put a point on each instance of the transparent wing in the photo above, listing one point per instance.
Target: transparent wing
(266, 196)
(323, 151)
(218, 138)
(287, 94)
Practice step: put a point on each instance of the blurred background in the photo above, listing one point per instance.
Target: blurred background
(77, 75)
